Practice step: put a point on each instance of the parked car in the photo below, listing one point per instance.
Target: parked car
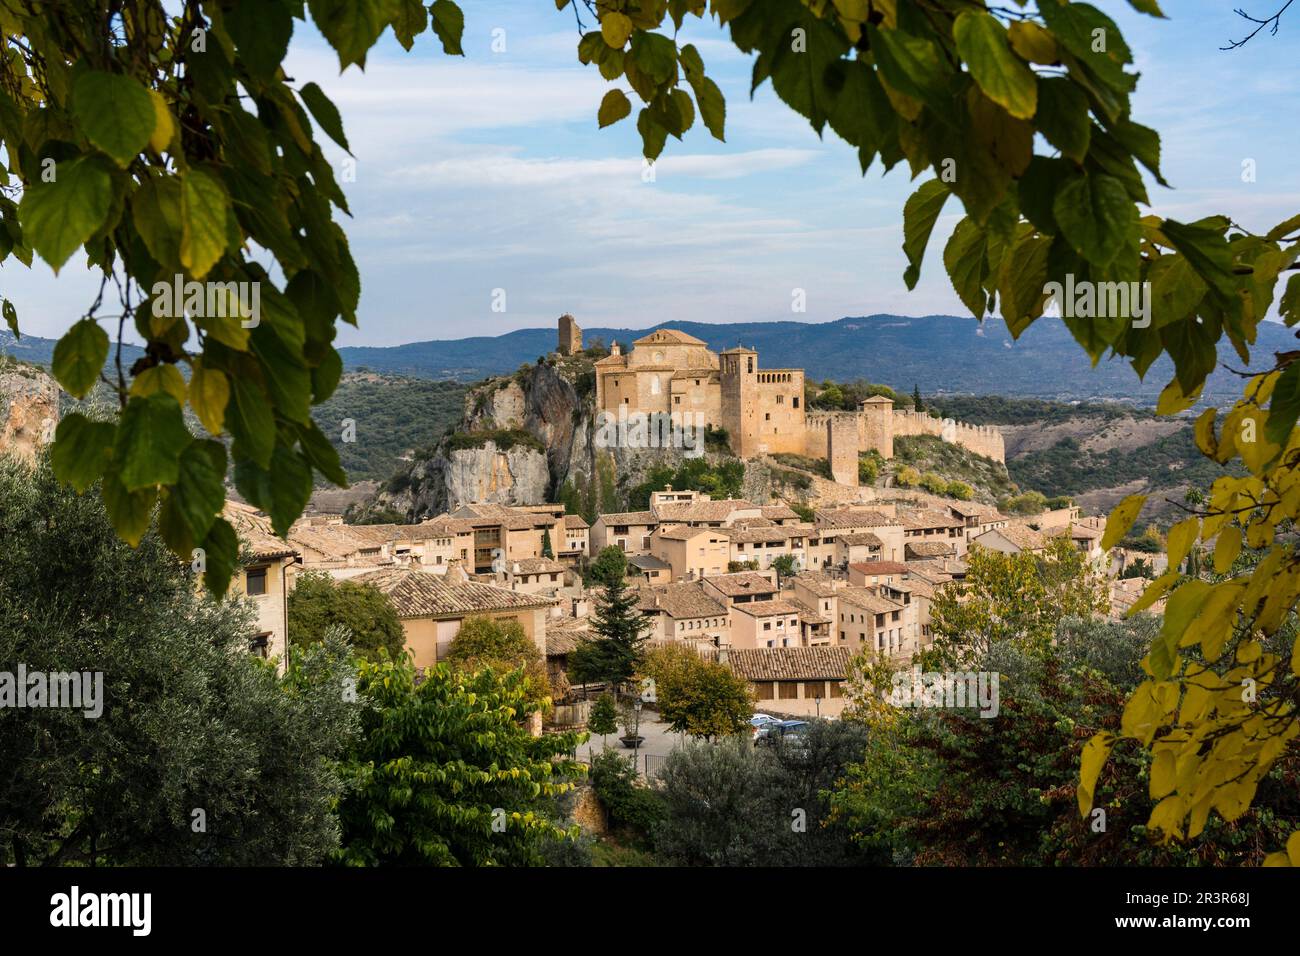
(769, 732)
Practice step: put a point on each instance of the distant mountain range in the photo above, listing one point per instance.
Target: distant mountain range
(942, 354)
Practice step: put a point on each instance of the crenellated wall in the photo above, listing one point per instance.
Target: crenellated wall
(879, 425)
(983, 440)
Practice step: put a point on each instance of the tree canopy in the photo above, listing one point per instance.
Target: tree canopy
(318, 602)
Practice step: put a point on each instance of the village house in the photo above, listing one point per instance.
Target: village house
(977, 518)
(647, 569)
(505, 533)
(432, 607)
(691, 552)
(795, 681)
(929, 525)
(867, 619)
(1012, 539)
(772, 623)
(265, 580)
(743, 587)
(535, 576)
(833, 522)
(628, 530)
(577, 539)
(870, 574)
(684, 612)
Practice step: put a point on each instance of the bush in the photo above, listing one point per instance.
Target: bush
(907, 477)
(867, 471)
(934, 483)
(960, 490)
(631, 807)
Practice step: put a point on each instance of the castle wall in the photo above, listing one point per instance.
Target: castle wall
(570, 336)
(981, 439)
(842, 448)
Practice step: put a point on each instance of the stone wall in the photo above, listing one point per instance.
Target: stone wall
(29, 410)
(877, 429)
(983, 440)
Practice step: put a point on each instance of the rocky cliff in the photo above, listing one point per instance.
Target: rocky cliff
(29, 408)
(525, 439)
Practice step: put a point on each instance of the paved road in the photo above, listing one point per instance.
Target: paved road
(659, 741)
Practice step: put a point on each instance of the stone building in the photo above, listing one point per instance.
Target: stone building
(668, 372)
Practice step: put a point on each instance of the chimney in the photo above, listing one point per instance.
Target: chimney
(615, 349)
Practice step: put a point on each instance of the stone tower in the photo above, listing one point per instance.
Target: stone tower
(877, 417)
(570, 336)
(842, 448)
(738, 369)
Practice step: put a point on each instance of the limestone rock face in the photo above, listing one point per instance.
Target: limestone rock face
(29, 409)
(515, 476)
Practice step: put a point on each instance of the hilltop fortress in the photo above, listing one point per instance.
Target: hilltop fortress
(762, 410)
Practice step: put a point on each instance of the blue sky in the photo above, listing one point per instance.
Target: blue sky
(489, 173)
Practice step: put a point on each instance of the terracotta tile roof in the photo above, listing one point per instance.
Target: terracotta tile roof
(879, 567)
(537, 566)
(853, 518)
(1075, 531)
(918, 520)
(750, 535)
(818, 582)
(1026, 539)
(628, 517)
(779, 513)
(929, 549)
(666, 336)
(861, 537)
(335, 542)
(868, 600)
(254, 529)
(688, 511)
(680, 601)
(564, 634)
(767, 608)
(575, 521)
(422, 594)
(921, 587)
(648, 562)
(443, 526)
(753, 522)
(742, 582)
(791, 663)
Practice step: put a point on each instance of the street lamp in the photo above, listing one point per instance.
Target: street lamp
(636, 731)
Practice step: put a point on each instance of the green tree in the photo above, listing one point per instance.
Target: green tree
(547, 551)
(1014, 598)
(698, 697)
(615, 651)
(609, 566)
(916, 398)
(189, 720)
(785, 566)
(503, 646)
(166, 143)
(445, 772)
(318, 602)
(604, 717)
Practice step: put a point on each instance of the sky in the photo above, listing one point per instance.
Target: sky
(487, 175)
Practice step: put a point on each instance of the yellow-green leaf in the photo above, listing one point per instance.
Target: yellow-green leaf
(1003, 76)
(1095, 752)
(204, 204)
(615, 28)
(209, 393)
(613, 107)
(1121, 520)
